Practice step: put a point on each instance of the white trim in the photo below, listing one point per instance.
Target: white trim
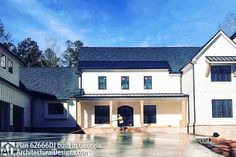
(220, 33)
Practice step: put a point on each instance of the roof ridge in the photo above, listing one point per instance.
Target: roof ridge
(142, 47)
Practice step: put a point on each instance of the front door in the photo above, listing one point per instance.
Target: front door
(127, 113)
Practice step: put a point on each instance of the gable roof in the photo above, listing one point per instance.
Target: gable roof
(123, 65)
(213, 39)
(176, 57)
(233, 36)
(61, 83)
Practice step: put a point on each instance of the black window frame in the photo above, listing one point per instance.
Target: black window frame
(52, 108)
(5, 60)
(149, 114)
(122, 86)
(102, 114)
(221, 73)
(222, 104)
(100, 87)
(10, 66)
(144, 81)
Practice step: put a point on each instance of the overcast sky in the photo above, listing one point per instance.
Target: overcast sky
(116, 22)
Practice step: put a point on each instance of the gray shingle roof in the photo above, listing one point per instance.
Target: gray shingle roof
(123, 65)
(177, 57)
(221, 58)
(62, 83)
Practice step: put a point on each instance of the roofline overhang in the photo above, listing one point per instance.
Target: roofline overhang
(130, 97)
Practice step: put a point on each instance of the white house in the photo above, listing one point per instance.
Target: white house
(190, 87)
(163, 86)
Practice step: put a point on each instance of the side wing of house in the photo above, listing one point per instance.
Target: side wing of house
(213, 82)
(15, 102)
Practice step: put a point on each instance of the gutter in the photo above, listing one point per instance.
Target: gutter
(194, 101)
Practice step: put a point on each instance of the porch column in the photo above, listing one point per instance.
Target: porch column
(183, 103)
(110, 103)
(141, 113)
(79, 116)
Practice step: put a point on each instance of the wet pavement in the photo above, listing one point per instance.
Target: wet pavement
(102, 145)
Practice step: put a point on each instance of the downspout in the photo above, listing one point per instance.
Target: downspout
(181, 83)
(194, 101)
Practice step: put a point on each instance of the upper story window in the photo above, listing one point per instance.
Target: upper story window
(3, 61)
(55, 108)
(222, 108)
(124, 82)
(102, 82)
(10, 66)
(220, 73)
(147, 82)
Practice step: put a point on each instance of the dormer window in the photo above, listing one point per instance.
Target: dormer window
(220, 73)
(3, 61)
(10, 66)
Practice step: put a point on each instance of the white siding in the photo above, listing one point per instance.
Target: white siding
(13, 78)
(187, 88)
(15, 97)
(207, 90)
(162, 82)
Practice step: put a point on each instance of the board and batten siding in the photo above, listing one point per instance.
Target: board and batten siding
(13, 96)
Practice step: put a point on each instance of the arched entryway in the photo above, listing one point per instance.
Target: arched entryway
(127, 113)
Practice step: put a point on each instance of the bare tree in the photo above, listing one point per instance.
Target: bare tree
(49, 57)
(229, 24)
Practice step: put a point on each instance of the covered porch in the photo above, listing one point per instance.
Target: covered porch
(138, 110)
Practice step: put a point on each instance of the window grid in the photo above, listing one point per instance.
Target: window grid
(55, 108)
(220, 73)
(3, 61)
(10, 66)
(124, 82)
(102, 115)
(147, 82)
(102, 83)
(222, 108)
(149, 114)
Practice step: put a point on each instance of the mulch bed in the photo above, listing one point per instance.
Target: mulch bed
(221, 146)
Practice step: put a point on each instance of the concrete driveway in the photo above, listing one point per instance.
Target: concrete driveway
(122, 144)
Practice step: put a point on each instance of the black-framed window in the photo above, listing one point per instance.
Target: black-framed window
(220, 73)
(147, 82)
(3, 61)
(102, 82)
(102, 115)
(222, 108)
(124, 82)
(10, 66)
(55, 108)
(149, 114)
